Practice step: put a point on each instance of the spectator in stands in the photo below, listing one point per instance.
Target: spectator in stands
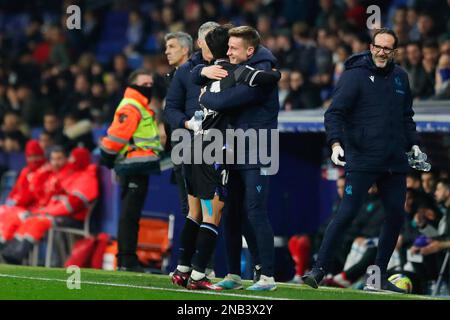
(428, 182)
(25, 103)
(361, 42)
(90, 29)
(97, 102)
(286, 53)
(58, 55)
(303, 94)
(53, 127)
(430, 53)
(14, 142)
(400, 57)
(121, 69)
(426, 26)
(77, 133)
(11, 126)
(47, 142)
(75, 186)
(413, 181)
(135, 33)
(113, 95)
(442, 78)
(434, 239)
(421, 86)
(80, 100)
(328, 8)
(283, 87)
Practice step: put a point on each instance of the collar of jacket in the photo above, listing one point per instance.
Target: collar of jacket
(136, 95)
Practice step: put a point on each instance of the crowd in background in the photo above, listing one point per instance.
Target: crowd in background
(45, 68)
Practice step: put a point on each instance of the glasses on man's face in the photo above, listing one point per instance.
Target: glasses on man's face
(385, 49)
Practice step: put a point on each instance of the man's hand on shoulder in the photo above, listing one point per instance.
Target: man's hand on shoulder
(214, 72)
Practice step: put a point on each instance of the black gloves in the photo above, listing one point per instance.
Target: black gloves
(107, 159)
(254, 77)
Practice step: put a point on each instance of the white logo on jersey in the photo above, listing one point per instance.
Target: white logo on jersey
(372, 78)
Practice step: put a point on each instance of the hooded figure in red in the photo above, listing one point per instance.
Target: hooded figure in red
(21, 195)
(77, 190)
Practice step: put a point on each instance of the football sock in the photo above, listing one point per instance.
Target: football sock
(187, 241)
(206, 243)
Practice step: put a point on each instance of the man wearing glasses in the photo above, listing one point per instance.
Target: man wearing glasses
(371, 119)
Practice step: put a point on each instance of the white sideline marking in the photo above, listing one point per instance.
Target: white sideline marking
(220, 293)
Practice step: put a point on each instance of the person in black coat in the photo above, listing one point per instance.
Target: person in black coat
(250, 108)
(371, 119)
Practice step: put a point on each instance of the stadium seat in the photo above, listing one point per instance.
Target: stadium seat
(56, 231)
(155, 240)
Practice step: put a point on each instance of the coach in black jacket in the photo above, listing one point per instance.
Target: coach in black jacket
(371, 119)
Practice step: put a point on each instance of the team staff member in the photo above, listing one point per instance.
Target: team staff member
(254, 108)
(132, 148)
(181, 104)
(371, 119)
(179, 48)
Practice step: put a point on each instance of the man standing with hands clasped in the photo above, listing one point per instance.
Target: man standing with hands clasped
(370, 119)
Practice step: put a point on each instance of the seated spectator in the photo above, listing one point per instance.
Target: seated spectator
(283, 87)
(421, 86)
(77, 133)
(442, 78)
(413, 181)
(47, 142)
(303, 94)
(428, 182)
(53, 127)
(71, 189)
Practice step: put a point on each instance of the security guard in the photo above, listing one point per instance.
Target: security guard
(132, 148)
(371, 118)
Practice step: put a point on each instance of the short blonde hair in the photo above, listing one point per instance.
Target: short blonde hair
(248, 34)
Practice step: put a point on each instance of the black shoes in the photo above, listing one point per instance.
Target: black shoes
(313, 277)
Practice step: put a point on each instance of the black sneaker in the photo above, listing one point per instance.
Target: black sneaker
(313, 277)
(386, 286)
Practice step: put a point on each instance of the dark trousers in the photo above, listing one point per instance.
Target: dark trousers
(392, 189)
(246, 213)
(133, 192)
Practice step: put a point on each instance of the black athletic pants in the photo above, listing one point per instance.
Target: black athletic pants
(392, 188)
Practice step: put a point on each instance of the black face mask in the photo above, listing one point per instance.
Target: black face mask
(145, 91)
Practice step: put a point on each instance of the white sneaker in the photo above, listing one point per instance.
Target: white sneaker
(264, 284)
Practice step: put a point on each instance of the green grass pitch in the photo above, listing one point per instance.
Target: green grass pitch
(19, 282)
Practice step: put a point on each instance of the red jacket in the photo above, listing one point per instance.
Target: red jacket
(24, 193)
(76, 192)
